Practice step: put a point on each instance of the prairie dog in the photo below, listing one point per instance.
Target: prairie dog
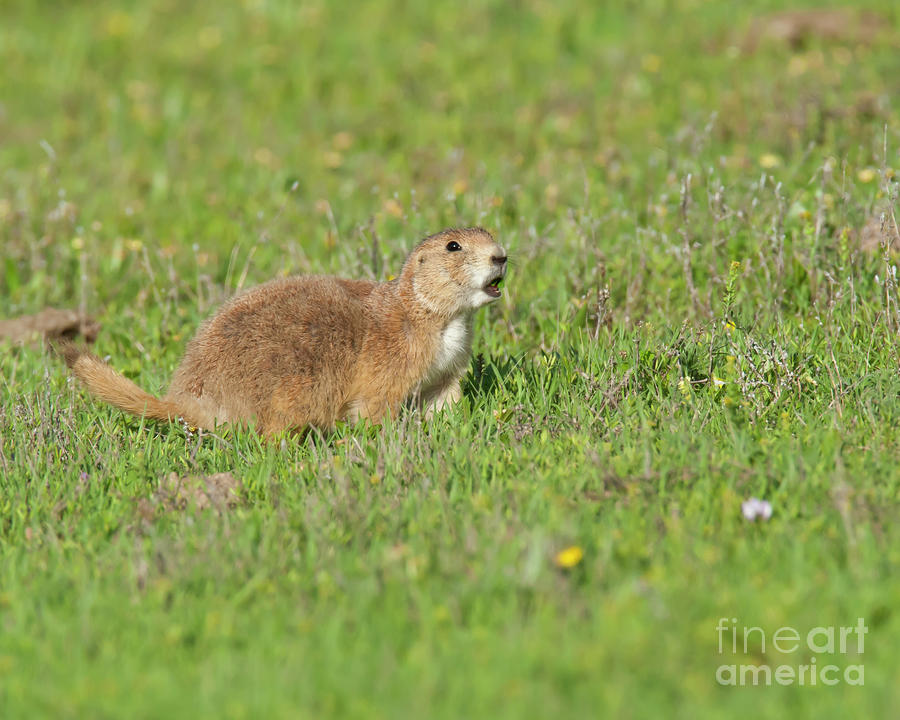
(313, 350)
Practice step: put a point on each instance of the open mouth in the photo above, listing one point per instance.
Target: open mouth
(493, 287)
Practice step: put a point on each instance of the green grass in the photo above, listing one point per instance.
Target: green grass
(155, 157)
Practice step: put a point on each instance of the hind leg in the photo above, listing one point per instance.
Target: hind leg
(295, 405)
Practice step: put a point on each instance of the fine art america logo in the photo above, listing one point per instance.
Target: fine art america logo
(827, 641)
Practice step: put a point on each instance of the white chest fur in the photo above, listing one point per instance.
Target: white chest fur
(454, 348)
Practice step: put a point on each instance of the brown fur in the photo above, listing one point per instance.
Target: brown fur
(312, 351)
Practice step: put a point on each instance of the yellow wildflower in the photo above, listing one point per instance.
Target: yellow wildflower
(393, 208)
(769, 161)
(569, 557)
(332, 160)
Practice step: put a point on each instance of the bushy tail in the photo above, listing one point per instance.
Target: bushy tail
(112, 387)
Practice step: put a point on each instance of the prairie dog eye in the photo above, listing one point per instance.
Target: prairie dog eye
(453, 246)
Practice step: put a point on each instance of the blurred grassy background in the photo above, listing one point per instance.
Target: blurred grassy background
(187, 126)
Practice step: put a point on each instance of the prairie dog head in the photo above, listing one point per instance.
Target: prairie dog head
(456, 270)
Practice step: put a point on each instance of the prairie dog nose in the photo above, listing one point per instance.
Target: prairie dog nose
(498, 259)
